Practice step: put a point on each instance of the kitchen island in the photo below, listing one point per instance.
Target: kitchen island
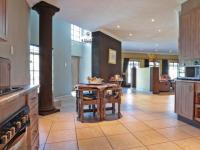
(187, 101)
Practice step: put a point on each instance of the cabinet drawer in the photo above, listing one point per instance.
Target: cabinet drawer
(32, 98)
(34, 132)
(34, 118)
(34, 110)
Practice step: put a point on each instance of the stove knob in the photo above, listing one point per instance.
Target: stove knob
(4, 139)
(24, 119)
(9, 134)
(12, 129)
(19, 125)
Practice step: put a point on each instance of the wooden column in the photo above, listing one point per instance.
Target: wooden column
(46, 12)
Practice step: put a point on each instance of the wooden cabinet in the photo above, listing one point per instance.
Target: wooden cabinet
(33, 132)
(4, 73)
(189, 39)
(184, 100)
(2, 19)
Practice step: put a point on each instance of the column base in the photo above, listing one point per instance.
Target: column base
(48, 112)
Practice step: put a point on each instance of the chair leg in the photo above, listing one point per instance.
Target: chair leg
(119, 111)
(113, 108)
(81, 113)
(104, 111)
(98, 111)
(93, 109)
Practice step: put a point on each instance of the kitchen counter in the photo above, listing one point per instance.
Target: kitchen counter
(12, 96)
(187, 101)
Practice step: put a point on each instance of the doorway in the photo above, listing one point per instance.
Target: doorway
(75, 70)
(132, 67)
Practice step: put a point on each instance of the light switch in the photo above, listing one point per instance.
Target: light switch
(11, 50)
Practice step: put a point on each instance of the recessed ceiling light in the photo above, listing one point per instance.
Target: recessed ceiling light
(130, 34)
(118, 26)
(152, 20)
(159, 30)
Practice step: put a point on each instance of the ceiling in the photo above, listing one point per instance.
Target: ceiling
(127, 20)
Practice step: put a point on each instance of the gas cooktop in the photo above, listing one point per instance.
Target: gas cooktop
(9, 90)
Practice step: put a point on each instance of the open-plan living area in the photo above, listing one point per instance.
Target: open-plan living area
(100, 75)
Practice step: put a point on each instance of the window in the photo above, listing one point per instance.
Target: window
(132, 64)
(76, 33)
(34, 65)
(151, 64)
(173, 70)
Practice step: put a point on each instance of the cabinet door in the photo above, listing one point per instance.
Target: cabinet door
(184, 103)
(178, 97)
(2, 19)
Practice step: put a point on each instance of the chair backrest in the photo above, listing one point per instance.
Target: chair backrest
(94, 91)
(115, 91)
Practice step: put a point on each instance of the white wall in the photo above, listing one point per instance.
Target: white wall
(62, 58)
(63, 49)
(143, 79)
(86, 63)
(18, 37)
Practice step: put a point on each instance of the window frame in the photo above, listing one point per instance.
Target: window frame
(33, 53)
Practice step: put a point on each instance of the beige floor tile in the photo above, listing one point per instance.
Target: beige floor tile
(164, 146)
(164, 123)
(191, 130)
(43, 137)
(127, 118)
(100, 143)
(124, 141)
(109, 123)
(138, 148)
(79, 124)
(45, 125)
(136, 126)
(41, 146)
(70, 145)
(62, 125)
(61, 136)
(150, 137)
(174, 133)
(150, 116)
(91, 132)
(114, 130)
(61, 116)
(189, 144)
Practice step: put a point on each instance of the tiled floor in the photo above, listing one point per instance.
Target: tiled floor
(148, 123)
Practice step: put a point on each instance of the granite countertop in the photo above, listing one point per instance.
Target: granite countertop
(9, 97)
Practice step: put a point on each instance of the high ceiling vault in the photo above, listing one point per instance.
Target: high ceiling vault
(142, 25)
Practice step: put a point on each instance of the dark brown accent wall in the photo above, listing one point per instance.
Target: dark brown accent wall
(101, 43)
(165, 67)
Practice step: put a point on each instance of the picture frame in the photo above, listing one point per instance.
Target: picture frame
(112, 57)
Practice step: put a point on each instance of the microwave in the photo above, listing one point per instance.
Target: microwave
(189, 72)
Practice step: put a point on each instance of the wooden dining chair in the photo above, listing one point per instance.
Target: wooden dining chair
(88, 96)
(111, 95)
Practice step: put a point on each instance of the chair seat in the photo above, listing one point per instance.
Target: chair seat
(89, 95)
